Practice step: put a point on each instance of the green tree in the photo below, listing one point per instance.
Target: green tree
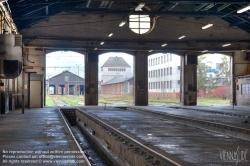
(221, 77)
(203, 79)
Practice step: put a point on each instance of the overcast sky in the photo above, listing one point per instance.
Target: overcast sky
(59, 61)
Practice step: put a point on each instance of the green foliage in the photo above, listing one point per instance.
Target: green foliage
(49, 101)
(220, 78)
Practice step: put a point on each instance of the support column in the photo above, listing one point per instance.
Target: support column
(91, 78)
(141, 78)
(56, 89)
(189, 80)
(240, 66)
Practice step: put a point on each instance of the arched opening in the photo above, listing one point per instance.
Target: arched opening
(65, 77)
(116, 79)
(213, 79)
(164, 79)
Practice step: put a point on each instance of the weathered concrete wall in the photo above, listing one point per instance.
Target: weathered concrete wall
(241, 67)
(36, 59)
(242, 99)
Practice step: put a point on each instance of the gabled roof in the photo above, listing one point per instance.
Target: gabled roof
(119, 80)
(60, 79)
(115, 62)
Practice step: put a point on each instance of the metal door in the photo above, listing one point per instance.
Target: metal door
(35, 94)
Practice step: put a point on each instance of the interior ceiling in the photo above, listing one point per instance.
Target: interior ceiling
(27, 13)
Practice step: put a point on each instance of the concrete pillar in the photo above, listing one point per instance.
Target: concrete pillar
(240, 66)
(141, 78)
(56, 89)
(91, 78)
(189, 79)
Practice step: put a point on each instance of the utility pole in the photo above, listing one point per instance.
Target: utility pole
(48, 84)
(78, 89)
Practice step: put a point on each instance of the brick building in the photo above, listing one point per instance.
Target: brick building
(65, 83)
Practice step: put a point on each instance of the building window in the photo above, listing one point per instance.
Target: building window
(170, 57)
(149, 85)
(148, 62)
(149, 74)
(164, 58)
(170, 71)
(159, 60)
(167, 84)
(141, 24)
(218, 65)
(245, 89)
(170, 84)
(161, 72)
(159, 86)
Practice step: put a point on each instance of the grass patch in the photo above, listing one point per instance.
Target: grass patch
(71, 100)
(129, 100)
(49, 101)
(213, 101)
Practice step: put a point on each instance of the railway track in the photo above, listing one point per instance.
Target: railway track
(117, 144)
(212, 112)
(221, 128)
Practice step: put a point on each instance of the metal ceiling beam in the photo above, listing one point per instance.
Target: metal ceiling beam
(200, 6)
(223, 7)
(98, 40)
(174, 13)
(88, 3)
(209, 1)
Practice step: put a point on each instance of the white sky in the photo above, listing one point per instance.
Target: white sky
(57, 62)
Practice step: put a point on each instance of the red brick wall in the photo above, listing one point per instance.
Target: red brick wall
(114, 89)
(169, 95)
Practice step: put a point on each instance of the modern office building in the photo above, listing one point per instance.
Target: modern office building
(164, 75)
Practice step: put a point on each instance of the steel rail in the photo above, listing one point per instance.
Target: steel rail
(72, 135)
(212, 111)
(229, 130)
(137, 144)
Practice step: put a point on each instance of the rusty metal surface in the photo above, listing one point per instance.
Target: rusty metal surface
(178, 142)
(36, 130)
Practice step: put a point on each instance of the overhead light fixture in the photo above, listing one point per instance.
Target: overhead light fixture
(139, 7)
(122, 23)
(96, 49)
(204, 51)
(181, 37)
(102, 43)
(243, 9)
(163, 45)
(225, 45)
(207, 26)
(111, 34)
(150, 51)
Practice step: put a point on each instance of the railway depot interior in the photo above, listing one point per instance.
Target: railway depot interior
(184, 134)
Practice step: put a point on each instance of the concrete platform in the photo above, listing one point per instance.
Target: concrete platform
(183, 144)
(219, 118)
(36, 138)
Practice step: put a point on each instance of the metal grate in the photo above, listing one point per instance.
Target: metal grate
(18, 40)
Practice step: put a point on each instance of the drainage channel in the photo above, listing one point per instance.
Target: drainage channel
(229, 130)
(93, 157)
